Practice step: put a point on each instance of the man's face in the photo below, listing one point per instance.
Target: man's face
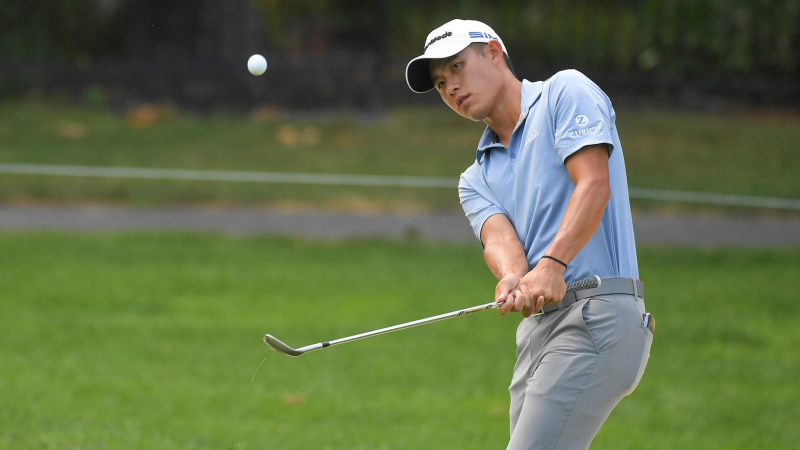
(468, 82)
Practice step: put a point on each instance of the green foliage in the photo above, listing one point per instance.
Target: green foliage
(731, 36)
(713, 38)
(677, 38)
(150, 341)
(50, 30)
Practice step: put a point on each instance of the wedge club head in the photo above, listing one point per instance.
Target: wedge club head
(278, 345)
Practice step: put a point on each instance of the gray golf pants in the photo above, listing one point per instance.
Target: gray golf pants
(573, 367)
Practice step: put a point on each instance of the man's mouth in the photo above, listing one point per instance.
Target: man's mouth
(460, 101)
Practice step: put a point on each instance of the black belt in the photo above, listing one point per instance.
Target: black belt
(611, 285)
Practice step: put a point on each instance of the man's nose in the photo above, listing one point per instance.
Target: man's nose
(452, 88)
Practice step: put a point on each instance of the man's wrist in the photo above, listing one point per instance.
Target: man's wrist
(551, 264)
(552, 258)
(516, 272)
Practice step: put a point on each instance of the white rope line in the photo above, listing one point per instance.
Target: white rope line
(714, 199)
(360, 180)
(229, 175)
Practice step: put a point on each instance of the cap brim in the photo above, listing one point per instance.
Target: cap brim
(418, 74)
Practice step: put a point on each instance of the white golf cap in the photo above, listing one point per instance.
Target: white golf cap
(443, 42)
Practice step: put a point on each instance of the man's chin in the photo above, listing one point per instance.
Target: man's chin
(470, 113)
(473, 114)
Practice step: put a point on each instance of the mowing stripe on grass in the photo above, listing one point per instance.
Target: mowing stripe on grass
(362, 180)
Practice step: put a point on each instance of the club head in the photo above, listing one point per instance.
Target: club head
(277, 345)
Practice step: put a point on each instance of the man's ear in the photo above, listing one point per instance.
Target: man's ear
(494, 51)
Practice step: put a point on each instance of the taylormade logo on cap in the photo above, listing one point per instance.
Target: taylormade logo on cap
(437, 38)
(443, 42)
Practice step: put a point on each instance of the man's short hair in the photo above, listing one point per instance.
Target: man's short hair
(478, 46)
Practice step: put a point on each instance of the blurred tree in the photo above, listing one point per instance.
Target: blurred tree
(39, 30)
(678, 37)
(709, 40)
(86, 30)
(189, 29)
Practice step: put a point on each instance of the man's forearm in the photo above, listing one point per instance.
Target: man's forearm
(506, 257)
(502, 250)
(581, 219)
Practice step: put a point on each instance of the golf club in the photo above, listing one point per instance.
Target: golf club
(278, 345)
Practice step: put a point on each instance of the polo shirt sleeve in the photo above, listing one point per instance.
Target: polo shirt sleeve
(477, 207)
(582, 113)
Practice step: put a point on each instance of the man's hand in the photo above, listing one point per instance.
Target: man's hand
(544, 285)
(505, 292)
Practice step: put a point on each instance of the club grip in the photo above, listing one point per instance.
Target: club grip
(586, 283)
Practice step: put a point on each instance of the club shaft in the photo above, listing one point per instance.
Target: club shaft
(415, 323)
(402, 326)
(577, 285)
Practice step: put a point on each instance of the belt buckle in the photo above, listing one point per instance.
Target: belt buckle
(540, 313)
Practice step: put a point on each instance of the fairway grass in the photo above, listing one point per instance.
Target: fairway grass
(150, 341)
(738, 153)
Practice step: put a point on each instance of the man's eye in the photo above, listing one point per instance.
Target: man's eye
(456, 65)
(440, 84)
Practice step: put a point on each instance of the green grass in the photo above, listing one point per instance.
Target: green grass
(150, 340)
(742, 153)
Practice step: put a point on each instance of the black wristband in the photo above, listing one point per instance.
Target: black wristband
(560, 262)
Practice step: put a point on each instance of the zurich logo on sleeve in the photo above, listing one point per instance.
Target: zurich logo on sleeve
(583, 121)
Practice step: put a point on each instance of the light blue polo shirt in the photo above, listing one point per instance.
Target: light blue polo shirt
(529, 183)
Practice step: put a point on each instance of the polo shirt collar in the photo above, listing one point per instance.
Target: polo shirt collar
(530, 94)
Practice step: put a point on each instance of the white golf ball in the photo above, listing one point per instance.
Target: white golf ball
(257, 65)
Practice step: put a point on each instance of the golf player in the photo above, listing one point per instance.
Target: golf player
(547, 196)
